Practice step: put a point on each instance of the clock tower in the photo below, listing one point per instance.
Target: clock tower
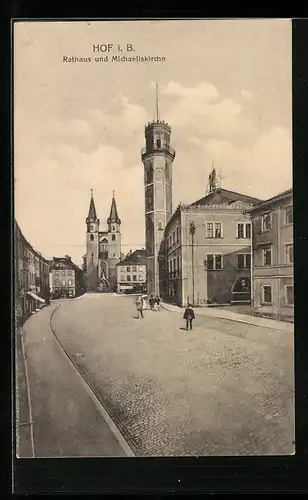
(157, 157)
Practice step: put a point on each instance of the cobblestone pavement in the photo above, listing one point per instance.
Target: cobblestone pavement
(225, 388)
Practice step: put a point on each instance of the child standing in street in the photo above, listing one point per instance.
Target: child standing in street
(189, 316)
(139, 304)
(157, 303)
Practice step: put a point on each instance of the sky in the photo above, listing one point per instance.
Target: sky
(225, 88)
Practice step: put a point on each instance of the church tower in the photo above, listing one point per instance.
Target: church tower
(114, 244)
(157, 157)
(92, 247)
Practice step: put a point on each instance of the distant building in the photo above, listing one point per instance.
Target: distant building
(103, 250)
(67, 279)
(31, 277)
(272, 263)
(131, 273)
(205, 254)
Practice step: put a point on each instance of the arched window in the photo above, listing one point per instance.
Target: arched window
(92, 237)
(113, 228)
(160, 225)
(158, 143)
(113, 237)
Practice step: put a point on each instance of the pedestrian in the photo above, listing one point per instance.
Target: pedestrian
(151, 302)
(157, 302)
(189, 316)
(139, 305)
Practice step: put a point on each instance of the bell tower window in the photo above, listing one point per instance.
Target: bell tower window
(113, 228)
(92, 237)
(158, 143)
(113, 237)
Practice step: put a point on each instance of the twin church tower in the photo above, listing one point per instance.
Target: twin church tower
(104, 248)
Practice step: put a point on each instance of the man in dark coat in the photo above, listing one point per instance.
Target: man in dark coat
(189, 316)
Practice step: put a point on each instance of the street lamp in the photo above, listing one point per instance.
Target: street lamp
(192, 230)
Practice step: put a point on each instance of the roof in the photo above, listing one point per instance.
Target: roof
(278, 197)
(137, 257)
(221, 195)
(64, 262)
(113, 217)
(20, 235)
(92, 211)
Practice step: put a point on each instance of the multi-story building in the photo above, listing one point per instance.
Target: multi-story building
(205, 255)
(31, 271)
(103, 250)
(67, 278)
(131, 273)
(272, 257)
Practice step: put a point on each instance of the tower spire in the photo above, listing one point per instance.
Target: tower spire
(157, 103)
(113, 217)
(92, 216)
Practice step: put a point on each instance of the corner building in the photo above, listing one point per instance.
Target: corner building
(157, 157)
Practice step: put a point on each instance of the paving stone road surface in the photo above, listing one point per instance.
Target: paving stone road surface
(225, 388)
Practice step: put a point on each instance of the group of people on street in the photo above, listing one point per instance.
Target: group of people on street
(154, 303)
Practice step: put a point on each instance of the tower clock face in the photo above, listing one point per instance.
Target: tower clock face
(159, 174)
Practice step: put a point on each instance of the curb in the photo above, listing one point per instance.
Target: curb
(236, 320)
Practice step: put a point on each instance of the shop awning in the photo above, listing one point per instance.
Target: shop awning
(36, 297)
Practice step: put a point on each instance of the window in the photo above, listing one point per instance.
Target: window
(267, 256)
(178, 234)
(158, 143)
(57, 273)
(134, 269)
(289, 215)
(289, 295)
(243, 230)
(160, 225)
(63, 273)
(209, 230)
(91, 237)
(266, 221)
(57, 283)
(128, 269)
(63, 283)
(266, 294)
(123, 269)
(134, 278)
(217, 230)
(289, 253)
(173, 238)
(243, 261)
(122, 278)
(140, 269)
(214, 262)
(178, 263)
(113, 237)
(140, 278)
(69, 273)
(69, 282)
(113, 228)
(128, 277)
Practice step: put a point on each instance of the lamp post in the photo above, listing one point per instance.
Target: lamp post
(192, 230)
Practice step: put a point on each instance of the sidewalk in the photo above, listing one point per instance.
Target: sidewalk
(66, 420)
(213, 312)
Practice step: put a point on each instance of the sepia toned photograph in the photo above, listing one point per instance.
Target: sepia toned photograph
(153, 238)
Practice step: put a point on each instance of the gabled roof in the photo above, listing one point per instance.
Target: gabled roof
(278, 197)
(220, 195)
(137, 257)
(113, 217)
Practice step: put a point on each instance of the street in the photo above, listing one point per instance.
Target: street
(224, 388)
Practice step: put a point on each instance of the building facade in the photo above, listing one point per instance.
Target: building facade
(31, 277)
(205, 255)
(103, 250)
(66, 278)
(131, 273)
(272, 257)
(157, 157)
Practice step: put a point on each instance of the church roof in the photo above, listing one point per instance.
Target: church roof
(220, 195)
(92, 210)
(113, 217)
(137, 257)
